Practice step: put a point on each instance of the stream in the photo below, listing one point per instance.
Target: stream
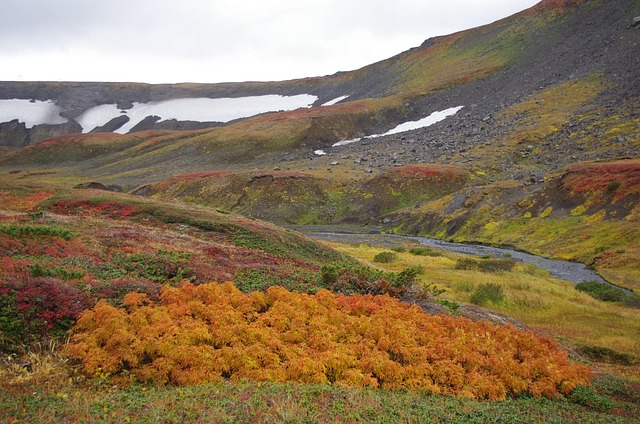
(573, 272)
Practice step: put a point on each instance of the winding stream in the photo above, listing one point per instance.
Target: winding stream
(573, 272)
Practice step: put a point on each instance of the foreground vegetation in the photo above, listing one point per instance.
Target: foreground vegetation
(248, 402)
(65, 251)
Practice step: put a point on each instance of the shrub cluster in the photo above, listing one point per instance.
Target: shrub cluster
(385, 257)
(347, 278)
(35, 230)
(424, 251)
(486, 293)
(486, 265)
(601, 291)
(212, 332)
(37, 308)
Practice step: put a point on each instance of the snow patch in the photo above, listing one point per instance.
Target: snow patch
(345, 142)
(30, 112)
(334, 101)
(320, 152)
(435, 117)
(194, 109)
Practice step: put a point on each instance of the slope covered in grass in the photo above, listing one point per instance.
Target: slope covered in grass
(63, 250)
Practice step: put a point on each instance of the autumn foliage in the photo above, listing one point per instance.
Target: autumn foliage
(620, 178)
(212, 332)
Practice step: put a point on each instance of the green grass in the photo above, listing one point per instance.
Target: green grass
(613, 401)
(35, 230)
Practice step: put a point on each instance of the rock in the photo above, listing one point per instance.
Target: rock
(636, 22)
(368, 170)
(99, 186)
(334, 163)
(13, 134)
(112, 125)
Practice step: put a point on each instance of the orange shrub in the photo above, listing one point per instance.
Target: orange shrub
(211, 332)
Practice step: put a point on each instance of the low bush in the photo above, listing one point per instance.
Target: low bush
(424, 251)
(347, 278)
(486, 265)
(35, 230)
(213, 332)
(486, 293)
(38, 270)
(601, 291)
(385, 257)
(34, 309)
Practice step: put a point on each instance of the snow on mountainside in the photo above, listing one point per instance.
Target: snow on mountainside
(33, 113)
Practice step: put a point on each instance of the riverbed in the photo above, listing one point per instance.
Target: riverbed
(573, 272)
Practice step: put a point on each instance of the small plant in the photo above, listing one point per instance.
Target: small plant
(349, 278)
(613, 185)
(486, 265)
(424, 251)
(452, 307)
(399, 249)
(467, 264)
(497, 265)
(385, 257)
(419, 269)
(38, 270)
(486, 293)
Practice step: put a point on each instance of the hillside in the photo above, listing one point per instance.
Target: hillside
(122, 205)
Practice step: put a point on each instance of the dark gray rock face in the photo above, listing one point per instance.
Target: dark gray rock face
(16, 134)
(112, 125)
(13, 134)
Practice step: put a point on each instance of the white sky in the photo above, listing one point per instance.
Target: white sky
(169, 41)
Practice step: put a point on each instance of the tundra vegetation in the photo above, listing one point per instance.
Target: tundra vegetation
(144, 277)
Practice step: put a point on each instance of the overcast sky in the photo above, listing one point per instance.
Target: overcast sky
(168, 41)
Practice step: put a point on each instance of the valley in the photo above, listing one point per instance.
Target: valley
(149, 230)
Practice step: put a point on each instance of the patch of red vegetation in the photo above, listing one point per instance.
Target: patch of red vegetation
(622, 178)
(67, 139)
(21, 202)
(112, 208)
